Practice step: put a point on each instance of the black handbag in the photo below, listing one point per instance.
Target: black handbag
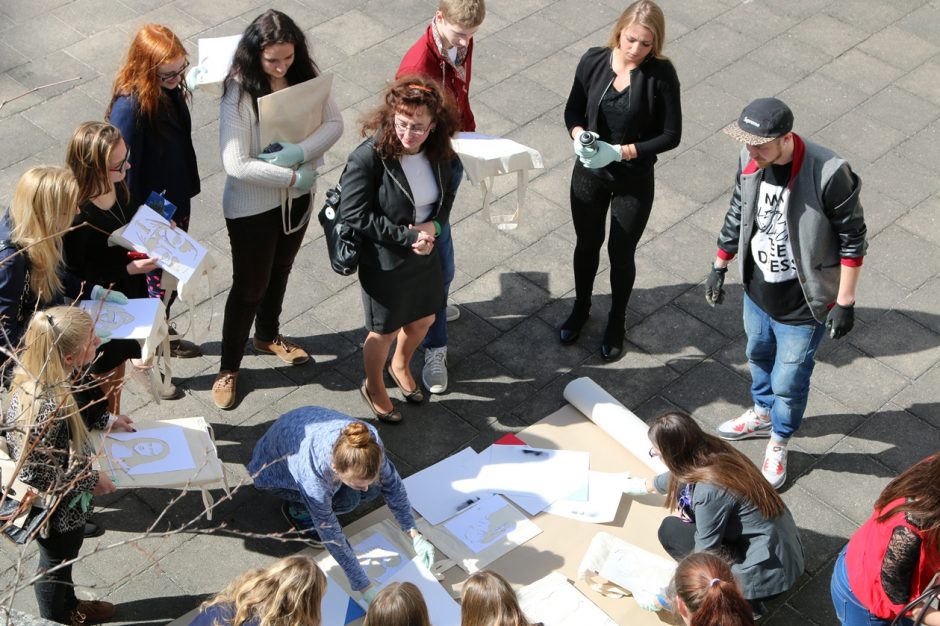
(343, 244)
(23, 511)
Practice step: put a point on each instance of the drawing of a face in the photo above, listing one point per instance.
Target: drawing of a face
(111, 317)
(139, 451)
(151, 447)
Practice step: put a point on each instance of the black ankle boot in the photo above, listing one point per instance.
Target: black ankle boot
(571, 329)
(612, 346)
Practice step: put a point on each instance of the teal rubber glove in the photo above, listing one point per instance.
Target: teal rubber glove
(648, 601)
(103, 336)
(194, 76)
(289, 155)
(100, 293)
(635, 487)
(424, 549)
(369, 593)
(305, 177)
(580, 150)
(605, 155)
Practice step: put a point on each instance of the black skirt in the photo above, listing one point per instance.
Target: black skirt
(109, 355)
(393, 298)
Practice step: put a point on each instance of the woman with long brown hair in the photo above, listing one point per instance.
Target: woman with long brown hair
(321, 464)
(724, 505)
(893, 557)
(398, 189)
(487, 599)
(707, 594)
(286, 593)
(398, 604)
(150, 106)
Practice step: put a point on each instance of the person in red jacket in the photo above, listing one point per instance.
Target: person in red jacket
(444, 53)
(895, 555)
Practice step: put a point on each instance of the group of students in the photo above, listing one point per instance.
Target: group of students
(398, 189)
(289, 593)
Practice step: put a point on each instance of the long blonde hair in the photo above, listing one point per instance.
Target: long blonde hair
(647, 14)
(286, 593)
(398, 604)
(88, 156)
(43, 206)
(42, 373)
(487, 599)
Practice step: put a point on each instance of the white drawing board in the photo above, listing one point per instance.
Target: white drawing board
(379, 558)
(133, 320)
(540, 476)
(604, 494)
(215, 55)
(153, 451)
(148, 232)
(489, 521)
(446, 488)
(442, 609)
(635, 569)
(556, 602)
(337, 607)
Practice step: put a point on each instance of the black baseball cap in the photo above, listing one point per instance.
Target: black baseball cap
(761, 121)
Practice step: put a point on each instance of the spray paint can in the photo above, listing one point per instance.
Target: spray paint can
(588, 141)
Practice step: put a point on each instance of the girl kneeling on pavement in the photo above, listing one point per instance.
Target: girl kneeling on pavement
(323, 464)
(46, 421)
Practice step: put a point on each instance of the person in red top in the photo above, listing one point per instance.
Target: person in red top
(445, 53)
(893, 557)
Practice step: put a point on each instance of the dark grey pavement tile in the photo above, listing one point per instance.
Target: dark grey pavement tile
(840, 477)
(920, 398)
(710, 392)
(900, 343)
(812, 601)
(887, 103)
(514, 350)
(912, 260)
(483, 393)
(895, 438)
(846, 374)
(633, 379)
(823, 531)
(676, 338)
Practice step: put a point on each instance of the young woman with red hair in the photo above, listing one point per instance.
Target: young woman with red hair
(149, 105)
(707, 594)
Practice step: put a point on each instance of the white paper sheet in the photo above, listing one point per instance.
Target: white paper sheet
(491, 520)
(614, 419)
(379, 558)
(556, 602)
(133, 320)
(604, 494)
(215, 55)
(443, 610)
(539, 475)
(446, 488)
(636, 569)
(152, 451)
(337, 607)
(178, 253)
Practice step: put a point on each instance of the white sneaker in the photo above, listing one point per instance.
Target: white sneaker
(774, 468)
(434, 373)
(453, 313)
(749, 425)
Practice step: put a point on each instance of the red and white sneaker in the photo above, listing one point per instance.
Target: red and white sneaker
(774, 468)
(748, 426)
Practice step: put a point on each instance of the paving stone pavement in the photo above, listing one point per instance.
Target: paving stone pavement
(862, 76)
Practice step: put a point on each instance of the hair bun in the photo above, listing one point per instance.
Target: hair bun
(358, 435)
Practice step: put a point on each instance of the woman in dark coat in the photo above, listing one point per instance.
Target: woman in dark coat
(397, 192)
(626, 96)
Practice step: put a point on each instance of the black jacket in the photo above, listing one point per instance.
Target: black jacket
(376, 201)
(655, 121)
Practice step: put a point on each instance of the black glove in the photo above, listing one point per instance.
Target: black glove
(841, 320)
(714, 292)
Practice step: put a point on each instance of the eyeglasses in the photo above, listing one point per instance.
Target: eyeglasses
(122, 164)
(653, 453)
(418, 131)
(171, 75)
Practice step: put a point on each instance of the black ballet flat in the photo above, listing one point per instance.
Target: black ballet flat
(612, 345)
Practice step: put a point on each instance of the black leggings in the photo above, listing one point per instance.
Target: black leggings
(55, 592)
(262, 258)
(630, 200)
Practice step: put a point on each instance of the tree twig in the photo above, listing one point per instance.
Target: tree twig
(35, 89)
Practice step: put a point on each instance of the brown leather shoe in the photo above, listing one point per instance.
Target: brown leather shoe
(91, 612)
(286, 350)
(224, 389)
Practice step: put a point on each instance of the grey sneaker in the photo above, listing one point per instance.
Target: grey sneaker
(434, 373)
(453, 313)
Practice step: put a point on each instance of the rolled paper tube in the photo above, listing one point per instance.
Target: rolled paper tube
(614, 419)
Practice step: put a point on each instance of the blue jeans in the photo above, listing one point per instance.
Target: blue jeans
(437, 334)
(781, 357)
(345, 500)
(848, 609)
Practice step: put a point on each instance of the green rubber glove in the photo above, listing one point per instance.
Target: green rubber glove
(369, 593)
(289, 155)
(424, 549)
(100, 293)
(606, 154)
(305, 177)
(635, 487)
(194, 76)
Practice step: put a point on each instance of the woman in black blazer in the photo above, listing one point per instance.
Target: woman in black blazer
(626, 95)
(397, 191)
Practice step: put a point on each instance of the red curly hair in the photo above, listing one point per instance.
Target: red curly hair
(153, 46)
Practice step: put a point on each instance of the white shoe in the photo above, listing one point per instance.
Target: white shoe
(749, 425)
(434, 374)
(453, 313)
(774, 468)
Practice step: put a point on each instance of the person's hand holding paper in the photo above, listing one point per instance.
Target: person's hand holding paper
(289, 155)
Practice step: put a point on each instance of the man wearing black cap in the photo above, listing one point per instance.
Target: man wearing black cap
(796, 224)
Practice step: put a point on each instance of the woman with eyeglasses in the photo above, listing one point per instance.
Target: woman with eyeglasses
(99, 159)
(725, 505)
(150, 106)
(265, 236)
(398, 189)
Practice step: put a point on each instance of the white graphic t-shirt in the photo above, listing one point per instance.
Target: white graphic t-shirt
(770, 245)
